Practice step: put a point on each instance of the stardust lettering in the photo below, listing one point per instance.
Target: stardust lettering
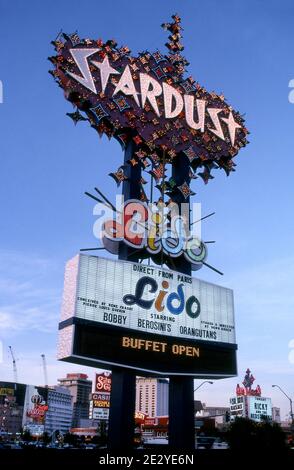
(174, 103)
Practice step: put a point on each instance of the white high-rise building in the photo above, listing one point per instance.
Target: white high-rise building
(152, 396)
(60, 410)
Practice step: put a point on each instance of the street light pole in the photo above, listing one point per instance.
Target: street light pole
(202, 383)
(291, 406)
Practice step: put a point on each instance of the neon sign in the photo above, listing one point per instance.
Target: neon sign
(146, 99)
(154, 229)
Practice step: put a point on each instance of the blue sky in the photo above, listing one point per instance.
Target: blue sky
(243, 49)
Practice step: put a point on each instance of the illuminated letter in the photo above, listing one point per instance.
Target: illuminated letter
(168, 94)
(80, 57)
(196, 352)
(189, 112)
(179, 297)
(136, 299)
(126, 342)
(150, 94)
(213, 113)
(175, 349)
(189, 305)
(195, 252)
(105, 70)
(158, 302)
(126, 85)
(172, 240)
(103, 212)
(135, 216)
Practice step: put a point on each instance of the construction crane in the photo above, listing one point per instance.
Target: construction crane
(45, 369)
(14, 365)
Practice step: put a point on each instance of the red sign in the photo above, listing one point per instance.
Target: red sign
(140, 417)
(38, 412)
(151, 421)
(242, 391)
(76, 376)
(103, 382)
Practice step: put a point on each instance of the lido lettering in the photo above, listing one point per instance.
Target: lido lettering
(175, 301)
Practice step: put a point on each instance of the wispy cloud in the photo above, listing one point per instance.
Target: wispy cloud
(29, 298)
(266, 289)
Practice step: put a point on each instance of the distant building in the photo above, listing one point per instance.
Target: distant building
(88, 423)
(214, 411)
(197, 406)
(12, 397)
(276, 415)
(152, 396)
(220, 414)
(80, 388)
(60, 410)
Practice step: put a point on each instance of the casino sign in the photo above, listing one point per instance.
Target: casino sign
(146, 99)
(124, 313)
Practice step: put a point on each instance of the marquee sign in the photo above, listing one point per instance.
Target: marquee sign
(103, 383)
(146, 99)
(101, 397)
(148, 299)
(259, 408)
(154, 320)
(256, 408)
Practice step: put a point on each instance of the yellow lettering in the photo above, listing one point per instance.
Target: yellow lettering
(163, 346)
(196, 352)
(126, 342)
(182, 349)
(189, 351)
(156, 346)
(141, 343)
(175, 349)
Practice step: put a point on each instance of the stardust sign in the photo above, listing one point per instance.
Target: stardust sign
(147, 99)
(146, 318)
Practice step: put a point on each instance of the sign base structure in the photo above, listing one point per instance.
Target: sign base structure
(122, 409)
(114, 314)
(181, 413)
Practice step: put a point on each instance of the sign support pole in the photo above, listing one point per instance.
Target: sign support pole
(181, 389)
(123, 389)
(122, 409)
(181, 413)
